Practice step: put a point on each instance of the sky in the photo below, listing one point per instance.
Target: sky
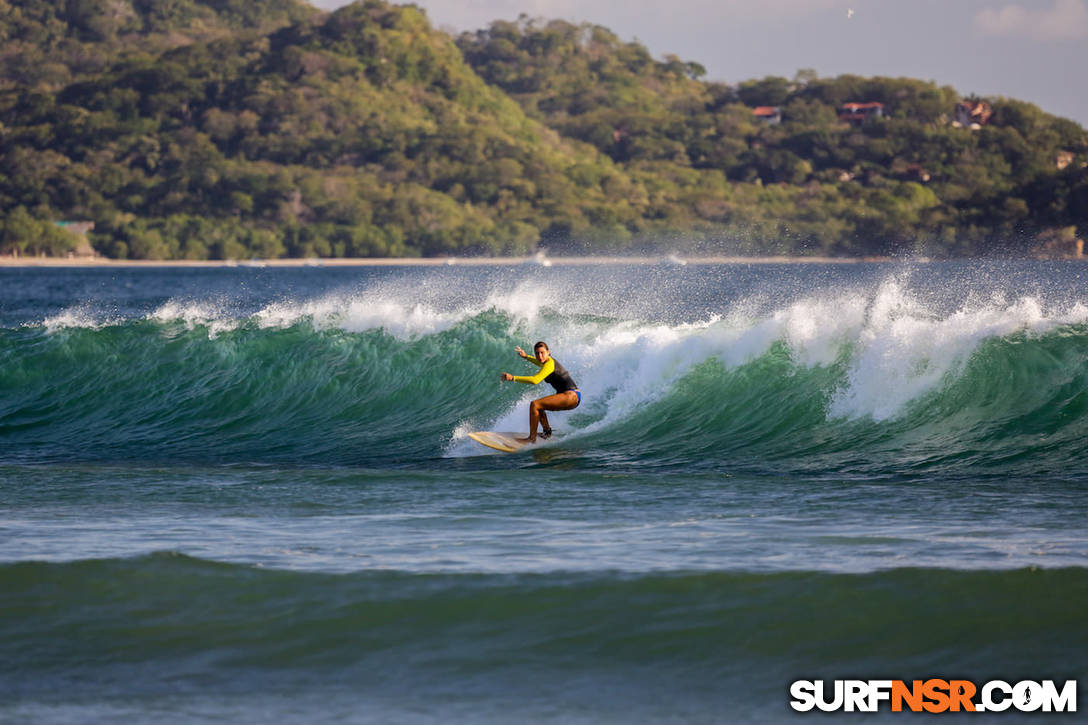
(1025, 49)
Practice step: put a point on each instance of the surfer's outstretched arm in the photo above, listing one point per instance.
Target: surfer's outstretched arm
(546, 369)
(525, 356)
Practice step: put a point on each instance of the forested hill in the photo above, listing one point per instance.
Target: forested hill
(227, 128)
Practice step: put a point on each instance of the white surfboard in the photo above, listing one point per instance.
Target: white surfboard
(505, 442)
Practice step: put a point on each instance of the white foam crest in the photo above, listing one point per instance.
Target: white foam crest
(80, 316)
(905, 351)
(901, 349)
(641, 363)
(817, 329)
(359, 314)
(195, 314)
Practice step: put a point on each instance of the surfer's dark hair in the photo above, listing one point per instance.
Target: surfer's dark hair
(543, 345)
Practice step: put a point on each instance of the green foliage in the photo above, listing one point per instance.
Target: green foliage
(21, 234)
(225, 129)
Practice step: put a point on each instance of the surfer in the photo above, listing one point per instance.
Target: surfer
(566, 397)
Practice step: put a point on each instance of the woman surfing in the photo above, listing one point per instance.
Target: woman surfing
(566, 397)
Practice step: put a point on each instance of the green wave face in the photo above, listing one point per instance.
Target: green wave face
(158, 390)
(862, 383)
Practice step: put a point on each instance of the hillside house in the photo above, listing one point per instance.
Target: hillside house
(972, 113)
(858, 113)
(768, 114)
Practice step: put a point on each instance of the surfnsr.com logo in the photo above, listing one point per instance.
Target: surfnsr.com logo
(933, 695)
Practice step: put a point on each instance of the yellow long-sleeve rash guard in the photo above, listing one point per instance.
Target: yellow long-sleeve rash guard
(546, 369)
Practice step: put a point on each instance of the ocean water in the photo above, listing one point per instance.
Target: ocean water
(247, 495)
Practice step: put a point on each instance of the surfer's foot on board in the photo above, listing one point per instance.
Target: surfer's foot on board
(546, 433)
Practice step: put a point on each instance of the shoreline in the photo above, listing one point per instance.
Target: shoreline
(103, 262)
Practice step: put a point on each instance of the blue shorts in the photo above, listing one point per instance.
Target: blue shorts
(579, 394)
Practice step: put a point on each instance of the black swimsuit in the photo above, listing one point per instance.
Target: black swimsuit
(561, 380)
